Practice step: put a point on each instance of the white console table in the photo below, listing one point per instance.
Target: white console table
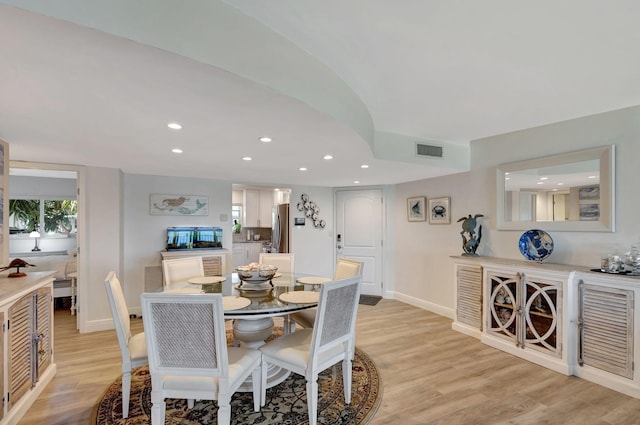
(566, 318)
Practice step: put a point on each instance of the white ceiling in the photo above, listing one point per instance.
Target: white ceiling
(95, 83)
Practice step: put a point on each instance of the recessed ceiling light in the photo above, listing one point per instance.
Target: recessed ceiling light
(592, 177)
(328, 157)
(246, 158)
(560, 184)
(356, 181)
(364, 166)
(265, 139)
(540, 183)
(507, 178)
(302, 168)
(176, 150)
(174, 126)
(544, 178)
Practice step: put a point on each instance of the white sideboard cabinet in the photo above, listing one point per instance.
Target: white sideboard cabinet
(566, 318)
(26, 311)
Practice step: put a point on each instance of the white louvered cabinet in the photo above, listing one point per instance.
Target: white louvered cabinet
(468, 309)
(30, 338)
(605, 325)
(607, 321)
(26, 308)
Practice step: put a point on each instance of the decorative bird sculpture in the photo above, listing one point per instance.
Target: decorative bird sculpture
(17, 263)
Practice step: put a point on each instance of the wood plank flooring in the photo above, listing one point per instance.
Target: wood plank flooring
(430, 375)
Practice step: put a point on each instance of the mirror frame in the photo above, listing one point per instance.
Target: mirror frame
(606, 223)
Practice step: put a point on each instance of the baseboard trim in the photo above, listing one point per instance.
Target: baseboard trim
(425, 305)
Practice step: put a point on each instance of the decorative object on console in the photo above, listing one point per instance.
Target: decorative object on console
(439, 210)
(535, 245)
(17, 263)
(416, 208)
(311, 210)
(35, 235)
(470, 241)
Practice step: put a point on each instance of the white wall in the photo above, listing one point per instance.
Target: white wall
(313, 247)
(423, 249)
(103, 250)
(144, 235)
(417, 264)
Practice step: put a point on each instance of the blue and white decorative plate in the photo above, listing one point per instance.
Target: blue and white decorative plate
(535, 245)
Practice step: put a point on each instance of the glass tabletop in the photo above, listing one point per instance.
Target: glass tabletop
(264, 297)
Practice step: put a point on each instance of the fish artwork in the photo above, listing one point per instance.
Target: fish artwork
(177, 205)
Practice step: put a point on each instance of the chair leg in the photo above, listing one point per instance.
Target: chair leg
(263, 383)
(126, 390)
(346, 378)
(224, 409)
(312, 400)
(158, 408)
(256, 381)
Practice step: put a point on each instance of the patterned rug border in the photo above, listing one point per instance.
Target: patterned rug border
(363, 421)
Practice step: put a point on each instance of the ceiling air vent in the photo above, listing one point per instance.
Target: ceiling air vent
(429, 150)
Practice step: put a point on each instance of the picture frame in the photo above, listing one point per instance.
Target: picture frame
(163, 204)
(440, 210)
(416, 208)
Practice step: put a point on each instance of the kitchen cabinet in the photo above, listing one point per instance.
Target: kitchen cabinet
(245, 253)
(26, 310)
(468, 309)
(258, 206)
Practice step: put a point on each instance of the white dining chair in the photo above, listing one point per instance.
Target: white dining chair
(344, 268)
(132, 347)
(310, 351)
(181, 269)
(284, 262)
(188, 353)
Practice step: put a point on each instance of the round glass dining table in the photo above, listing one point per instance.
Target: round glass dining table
(252, 307)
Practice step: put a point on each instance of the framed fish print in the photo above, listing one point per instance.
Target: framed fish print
(416, 208)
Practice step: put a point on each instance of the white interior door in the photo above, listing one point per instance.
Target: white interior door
(359, 233)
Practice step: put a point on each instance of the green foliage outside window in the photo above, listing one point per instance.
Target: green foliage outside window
(59, 216)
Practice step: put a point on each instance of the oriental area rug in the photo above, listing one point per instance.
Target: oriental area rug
(286, 402)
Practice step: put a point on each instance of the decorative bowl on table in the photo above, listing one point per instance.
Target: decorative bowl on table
(256, 273)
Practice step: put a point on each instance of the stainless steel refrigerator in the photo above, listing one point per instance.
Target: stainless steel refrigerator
(280, 231)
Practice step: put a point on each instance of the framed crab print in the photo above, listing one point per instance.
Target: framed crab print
(439, 210)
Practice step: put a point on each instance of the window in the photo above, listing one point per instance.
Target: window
(47, 216)
(236, 218)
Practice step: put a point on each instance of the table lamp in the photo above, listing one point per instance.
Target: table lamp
(35, 235)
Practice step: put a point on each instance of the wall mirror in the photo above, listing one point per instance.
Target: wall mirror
(573, 191)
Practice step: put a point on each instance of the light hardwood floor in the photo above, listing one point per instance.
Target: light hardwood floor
(430, 375)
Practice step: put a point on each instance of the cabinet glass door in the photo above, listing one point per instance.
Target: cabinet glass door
(502, 314)
(541, 303)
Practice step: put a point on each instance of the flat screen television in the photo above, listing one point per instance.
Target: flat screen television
(182, 238)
